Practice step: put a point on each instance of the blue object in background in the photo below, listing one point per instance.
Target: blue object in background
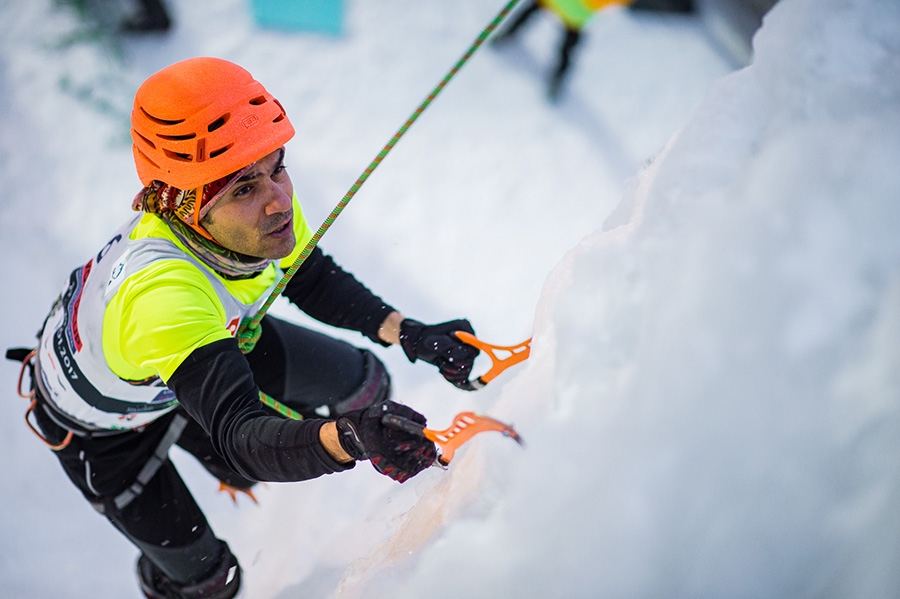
(321, 16)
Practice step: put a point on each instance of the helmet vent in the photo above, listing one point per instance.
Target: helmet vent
(144, 139)
(178, 137)
(180, 156)
(281, 116)
(160, 121)
(220, 151)
(147, 158)
(258, 101)
(219, 122)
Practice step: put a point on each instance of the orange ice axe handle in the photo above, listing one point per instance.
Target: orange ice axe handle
(502, 357)
(465, 426)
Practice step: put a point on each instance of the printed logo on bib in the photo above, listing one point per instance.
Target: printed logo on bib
(233, 326)
(116, 271)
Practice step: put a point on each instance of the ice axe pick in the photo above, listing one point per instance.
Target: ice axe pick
(465, 426)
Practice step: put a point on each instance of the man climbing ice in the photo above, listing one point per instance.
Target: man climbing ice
(140, 352)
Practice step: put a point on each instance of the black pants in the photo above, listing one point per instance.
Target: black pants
(302, 368)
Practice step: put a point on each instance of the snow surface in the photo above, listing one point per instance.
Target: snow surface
(709, 262)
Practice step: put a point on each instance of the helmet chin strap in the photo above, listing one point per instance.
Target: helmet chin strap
(196, 226)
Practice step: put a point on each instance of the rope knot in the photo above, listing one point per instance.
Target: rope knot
(248, 334)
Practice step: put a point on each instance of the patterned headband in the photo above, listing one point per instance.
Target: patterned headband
(159, 197)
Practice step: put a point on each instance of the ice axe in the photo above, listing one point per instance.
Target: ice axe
(502, 357)
(465, 426)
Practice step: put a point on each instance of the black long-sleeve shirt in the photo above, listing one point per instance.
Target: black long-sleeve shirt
(215, 384)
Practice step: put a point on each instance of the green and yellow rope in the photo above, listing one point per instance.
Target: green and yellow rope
(249, 331)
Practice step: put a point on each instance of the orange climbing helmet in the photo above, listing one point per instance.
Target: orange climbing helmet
(202, 119)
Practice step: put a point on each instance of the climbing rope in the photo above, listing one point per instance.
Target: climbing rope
(249, 331)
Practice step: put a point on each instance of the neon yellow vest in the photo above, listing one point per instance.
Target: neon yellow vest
(129, 317)
(576, 13)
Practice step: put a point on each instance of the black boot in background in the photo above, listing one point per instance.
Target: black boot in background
(152, 17)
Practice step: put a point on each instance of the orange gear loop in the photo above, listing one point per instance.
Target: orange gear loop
(25, 362)
(31, 395)
(54, 446)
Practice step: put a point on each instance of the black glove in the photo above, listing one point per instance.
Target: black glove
(437, 345)
(393, 452)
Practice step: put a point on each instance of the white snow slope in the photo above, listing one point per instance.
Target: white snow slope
(709, 263)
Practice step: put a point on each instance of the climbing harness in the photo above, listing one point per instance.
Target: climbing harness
(159, 457)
